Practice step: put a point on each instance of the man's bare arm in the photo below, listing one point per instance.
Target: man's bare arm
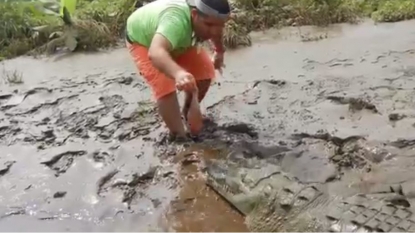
(160, 56)
(218, 44)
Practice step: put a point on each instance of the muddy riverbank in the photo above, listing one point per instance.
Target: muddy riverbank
(77, 135)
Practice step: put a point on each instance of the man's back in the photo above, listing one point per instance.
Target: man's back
(143, 23)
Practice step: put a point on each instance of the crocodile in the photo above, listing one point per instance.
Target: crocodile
(273, 200)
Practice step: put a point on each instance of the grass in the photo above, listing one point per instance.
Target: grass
(16, 33)
(100, 23)
(12, 77)
(252, 15)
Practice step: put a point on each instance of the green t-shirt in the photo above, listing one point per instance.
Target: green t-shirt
(170, 18)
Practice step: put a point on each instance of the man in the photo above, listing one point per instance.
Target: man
(163, 38)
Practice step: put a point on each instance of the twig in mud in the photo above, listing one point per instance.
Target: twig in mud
(396, 116)
(388, 87)
(18, 211)
(327, 137)
(270, 81)
(402, 143)
(354, 103)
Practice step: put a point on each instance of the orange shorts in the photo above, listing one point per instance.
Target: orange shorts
(198, 64)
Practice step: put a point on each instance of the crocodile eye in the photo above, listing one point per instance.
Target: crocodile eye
(267, 190)
(247, 180)
(242, 174)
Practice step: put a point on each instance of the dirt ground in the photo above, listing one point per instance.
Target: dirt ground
(78, 136)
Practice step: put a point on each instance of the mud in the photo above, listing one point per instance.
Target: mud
(82, 146)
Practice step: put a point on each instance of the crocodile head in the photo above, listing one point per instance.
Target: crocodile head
(263, 193)
(244, 178)
(249, 170)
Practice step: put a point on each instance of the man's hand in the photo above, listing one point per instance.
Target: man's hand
(218, 56)
(185, 81)
(218, 60)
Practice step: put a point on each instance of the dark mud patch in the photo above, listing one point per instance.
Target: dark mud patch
(5, 168)
(59, 194)
(60, 163)
(354, 152)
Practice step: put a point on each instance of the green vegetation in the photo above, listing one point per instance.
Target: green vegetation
(32, 27)
(37, 26)
(253, 15)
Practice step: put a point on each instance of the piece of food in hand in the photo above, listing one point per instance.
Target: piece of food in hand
(194, 116)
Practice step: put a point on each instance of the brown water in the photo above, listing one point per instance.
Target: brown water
(79, 131)
(198, 207)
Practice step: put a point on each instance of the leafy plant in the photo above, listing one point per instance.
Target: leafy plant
(45, 25)
(68, 35)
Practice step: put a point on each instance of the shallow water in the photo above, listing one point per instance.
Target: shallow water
(79, 131)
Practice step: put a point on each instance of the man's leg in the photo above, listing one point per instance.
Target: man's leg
(200, 65)
(163, 89)
(169, 110)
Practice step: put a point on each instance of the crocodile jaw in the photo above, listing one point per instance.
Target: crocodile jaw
(227, 182)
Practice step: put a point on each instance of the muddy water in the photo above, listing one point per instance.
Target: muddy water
(77, 136)
(198, 207)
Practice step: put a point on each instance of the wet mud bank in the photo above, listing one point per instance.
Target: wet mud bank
(82, 147)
